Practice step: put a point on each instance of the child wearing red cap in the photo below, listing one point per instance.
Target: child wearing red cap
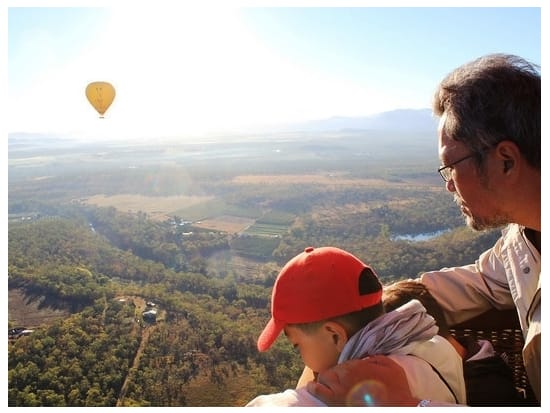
(329, 305)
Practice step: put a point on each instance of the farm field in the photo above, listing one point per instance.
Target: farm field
(267, 230)
(226, 223)
(336, 178)
(157, 207)
(28, 311)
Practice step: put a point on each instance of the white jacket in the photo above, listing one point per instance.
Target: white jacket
(505, 276)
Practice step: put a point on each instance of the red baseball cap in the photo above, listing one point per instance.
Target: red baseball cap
(318, 284)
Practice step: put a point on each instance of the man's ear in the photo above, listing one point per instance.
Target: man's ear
(509, 156)
(508, 164)
(338, 334)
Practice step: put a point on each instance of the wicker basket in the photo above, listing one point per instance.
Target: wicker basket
(503, 330)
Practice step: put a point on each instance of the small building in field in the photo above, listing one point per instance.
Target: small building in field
(150, 315)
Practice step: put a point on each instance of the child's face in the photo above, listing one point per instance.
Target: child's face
(318, 349)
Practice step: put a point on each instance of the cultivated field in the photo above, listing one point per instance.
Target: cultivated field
(226, 223)
(209, 212)
(28, 311)
(337, 178)
(157, 207)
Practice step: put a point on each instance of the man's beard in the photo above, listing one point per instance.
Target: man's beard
(483, 224)
(478, 223)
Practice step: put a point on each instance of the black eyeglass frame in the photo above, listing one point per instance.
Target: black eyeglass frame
(444, 169)
(446, 173)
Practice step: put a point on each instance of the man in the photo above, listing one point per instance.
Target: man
(490, 149)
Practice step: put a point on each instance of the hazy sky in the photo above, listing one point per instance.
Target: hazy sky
(193, 70)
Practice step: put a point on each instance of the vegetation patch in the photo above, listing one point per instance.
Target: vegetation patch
(253, 246)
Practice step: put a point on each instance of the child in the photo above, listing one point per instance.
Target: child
(489, 380)
(329, 305)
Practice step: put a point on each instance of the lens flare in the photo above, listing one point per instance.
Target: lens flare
(367, 393)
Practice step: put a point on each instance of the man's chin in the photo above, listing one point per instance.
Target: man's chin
(472, 224)
(479, 225)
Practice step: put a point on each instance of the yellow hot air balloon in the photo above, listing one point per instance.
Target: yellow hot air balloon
(100, 95)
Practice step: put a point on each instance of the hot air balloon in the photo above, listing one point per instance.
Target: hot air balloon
(100, 95)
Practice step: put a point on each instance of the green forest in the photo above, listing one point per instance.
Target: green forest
(106, 268)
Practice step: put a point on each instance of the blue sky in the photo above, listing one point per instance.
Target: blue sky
(186, 71)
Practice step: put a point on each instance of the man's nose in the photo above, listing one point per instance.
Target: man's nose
(450, 185)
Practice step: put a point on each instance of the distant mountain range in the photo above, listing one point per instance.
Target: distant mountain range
(414, 120)
(400, 120)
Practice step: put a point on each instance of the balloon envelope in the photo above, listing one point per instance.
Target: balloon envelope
(100, 95)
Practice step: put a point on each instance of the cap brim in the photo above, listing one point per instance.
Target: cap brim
(270, 334)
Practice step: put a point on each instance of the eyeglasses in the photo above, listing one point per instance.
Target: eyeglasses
(445, 171)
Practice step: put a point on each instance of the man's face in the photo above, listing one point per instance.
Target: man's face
(473, 190)
(317, 349)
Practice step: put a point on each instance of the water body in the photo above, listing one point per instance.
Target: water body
(424, 236)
